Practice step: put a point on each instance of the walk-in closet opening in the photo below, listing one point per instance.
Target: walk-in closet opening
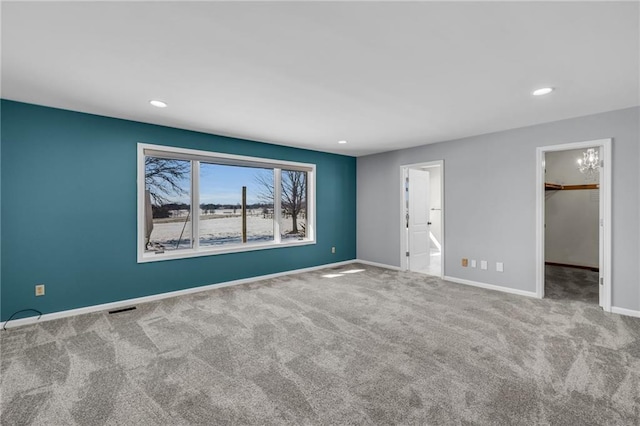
(574, 206)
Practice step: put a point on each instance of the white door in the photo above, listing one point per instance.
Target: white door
(601, 264)
(419, 241)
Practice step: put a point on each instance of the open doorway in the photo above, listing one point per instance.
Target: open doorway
(573, 233)
(422, 221)
(571, 226)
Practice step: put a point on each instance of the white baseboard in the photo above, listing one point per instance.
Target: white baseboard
(379, 265)
(492, 287)
(144, 299)
(625, 311)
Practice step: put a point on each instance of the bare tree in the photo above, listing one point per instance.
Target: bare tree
(294, 193)
(163, 177)
(264, 179)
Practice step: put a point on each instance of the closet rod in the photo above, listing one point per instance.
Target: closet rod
(557, 187)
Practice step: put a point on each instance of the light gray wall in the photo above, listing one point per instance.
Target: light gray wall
(489, 196)
(571, 217)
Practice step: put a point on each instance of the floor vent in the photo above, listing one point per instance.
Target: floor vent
(117, 311)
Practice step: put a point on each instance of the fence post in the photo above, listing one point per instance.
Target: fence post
(244, 214)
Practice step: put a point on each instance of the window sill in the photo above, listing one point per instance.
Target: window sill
(188, 253)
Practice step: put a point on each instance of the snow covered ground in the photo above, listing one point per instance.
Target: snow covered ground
(219, 231)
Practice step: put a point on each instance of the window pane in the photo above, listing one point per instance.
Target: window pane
(167, 204)
(221, 204)
(293, 222)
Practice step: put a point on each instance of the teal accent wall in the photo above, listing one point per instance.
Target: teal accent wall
(68, 211)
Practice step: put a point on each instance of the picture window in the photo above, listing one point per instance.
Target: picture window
(243, 203)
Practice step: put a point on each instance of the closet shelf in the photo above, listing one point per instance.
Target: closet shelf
(557, 187)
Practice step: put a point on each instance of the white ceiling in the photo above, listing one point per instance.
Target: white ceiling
(380, 75)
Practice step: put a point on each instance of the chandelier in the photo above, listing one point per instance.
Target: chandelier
(590, 162)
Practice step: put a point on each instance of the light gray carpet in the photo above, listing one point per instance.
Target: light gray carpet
(562, 282)
(371, 347)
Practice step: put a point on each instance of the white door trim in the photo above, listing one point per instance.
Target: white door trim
(605, 217)
(403, 230)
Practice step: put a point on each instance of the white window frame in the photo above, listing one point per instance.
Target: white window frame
(196, 156)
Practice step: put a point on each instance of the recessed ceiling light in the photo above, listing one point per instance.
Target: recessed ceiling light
(543, 91)
(157, 103)
(342, 142)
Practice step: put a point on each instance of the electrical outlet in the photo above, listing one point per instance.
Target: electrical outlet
(333, 250)
(465, 262)
(483, 264)
(39, 289)
(499, 267)
(473, 263)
